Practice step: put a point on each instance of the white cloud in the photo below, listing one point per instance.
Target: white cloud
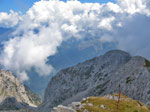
(48, 23)
(134, 6)
(106, 38)
(9, 20)
(21, 54)
(106, 23)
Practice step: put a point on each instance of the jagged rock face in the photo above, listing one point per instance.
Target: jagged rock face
(10, 86)
(134, 79)
(99, 76)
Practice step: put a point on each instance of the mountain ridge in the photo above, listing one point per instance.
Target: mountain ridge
(97, 77)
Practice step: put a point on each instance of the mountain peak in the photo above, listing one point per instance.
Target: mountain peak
(116, 52)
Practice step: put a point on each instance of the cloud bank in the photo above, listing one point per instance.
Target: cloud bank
(42, 29)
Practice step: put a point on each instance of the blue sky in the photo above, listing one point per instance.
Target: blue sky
(23, 5)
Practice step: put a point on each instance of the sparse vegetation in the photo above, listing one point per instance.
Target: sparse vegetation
(147, 63)
(105, 104)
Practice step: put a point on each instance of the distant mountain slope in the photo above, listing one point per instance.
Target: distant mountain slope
(10, 86)
(104, 104)
(99, 76)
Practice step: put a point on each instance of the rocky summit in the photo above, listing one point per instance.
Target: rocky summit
(115, 70)
(14, 95)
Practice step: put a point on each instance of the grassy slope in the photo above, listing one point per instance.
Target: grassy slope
(105, 104)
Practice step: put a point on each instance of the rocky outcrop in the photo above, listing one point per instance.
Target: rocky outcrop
(100, 76)
(11, 89)
(61, 108)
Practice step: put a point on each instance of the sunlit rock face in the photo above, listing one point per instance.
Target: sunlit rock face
(12, 90)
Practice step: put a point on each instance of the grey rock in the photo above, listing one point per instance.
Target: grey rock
(61, 108)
